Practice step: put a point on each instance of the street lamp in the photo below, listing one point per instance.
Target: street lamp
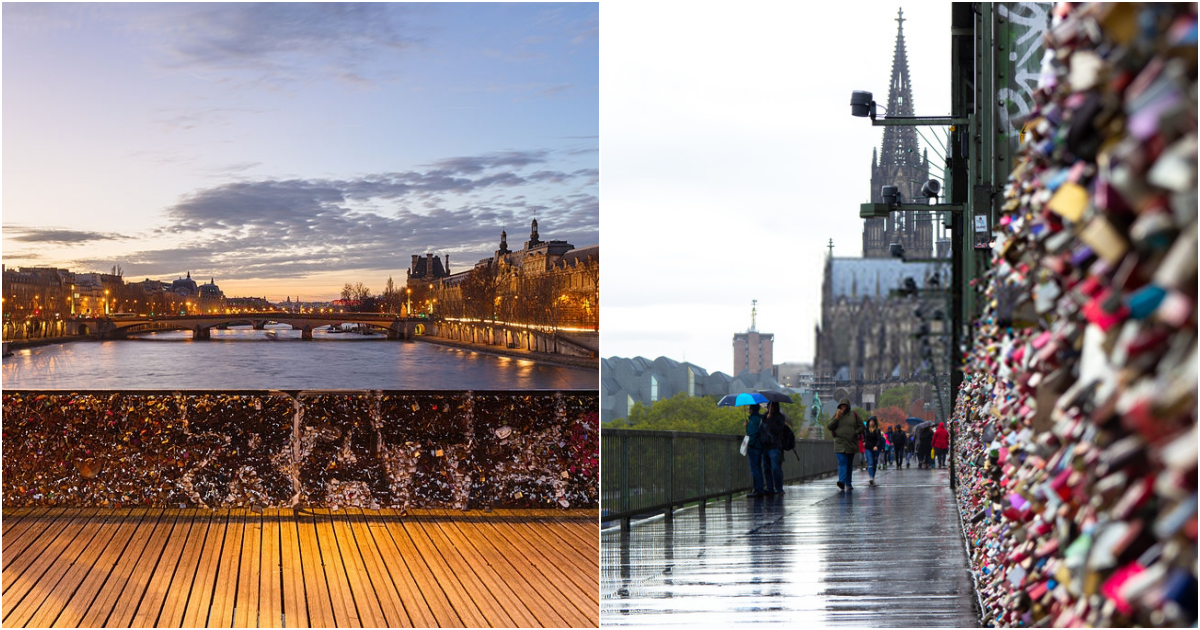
(862, 105)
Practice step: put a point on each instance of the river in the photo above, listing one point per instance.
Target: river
(276, 358)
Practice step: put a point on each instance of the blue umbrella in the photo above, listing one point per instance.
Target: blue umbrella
(914, 421)
(738, 400)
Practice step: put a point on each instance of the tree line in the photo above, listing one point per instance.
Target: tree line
(700, 414)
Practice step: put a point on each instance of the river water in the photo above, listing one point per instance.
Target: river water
(276, 358)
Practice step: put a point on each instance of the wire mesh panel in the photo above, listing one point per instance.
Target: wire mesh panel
(649, 471)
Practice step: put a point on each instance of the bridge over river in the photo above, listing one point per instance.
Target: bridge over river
(202, 325)
(510, 336)
(885, 555)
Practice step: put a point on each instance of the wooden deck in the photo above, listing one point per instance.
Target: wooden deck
(73, 567)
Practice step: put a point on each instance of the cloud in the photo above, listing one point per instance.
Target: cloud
(555, 90)
(292, 228)
(277, 40)
(57, 236)
(477, 164)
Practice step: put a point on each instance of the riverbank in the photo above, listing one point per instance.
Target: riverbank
(560, 360)
(47, 341)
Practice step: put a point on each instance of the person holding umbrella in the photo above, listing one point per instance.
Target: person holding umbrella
(754, 451)
(770, 437)
(846, 428)
(925, 445)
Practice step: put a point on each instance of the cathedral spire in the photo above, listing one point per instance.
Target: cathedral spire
(899, 143)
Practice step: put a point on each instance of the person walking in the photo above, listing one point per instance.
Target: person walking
(754, 451)
(887, 447)
(925, 447)
(846, 428)
(900, 440)
(941, 443)
(872, 447)
(770, 437)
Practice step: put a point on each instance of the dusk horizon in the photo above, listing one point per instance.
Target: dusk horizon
(286, 150)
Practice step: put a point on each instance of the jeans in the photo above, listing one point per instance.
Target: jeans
(755, 455)
(941, 456)
(845, 468)
(872, 462)
(773, 468)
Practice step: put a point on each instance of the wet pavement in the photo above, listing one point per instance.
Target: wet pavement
(888, 555)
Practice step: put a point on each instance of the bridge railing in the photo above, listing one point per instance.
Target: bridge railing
(655, 471)
(311, 448)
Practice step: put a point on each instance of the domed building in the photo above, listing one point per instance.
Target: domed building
(211, 299)
(185, 287)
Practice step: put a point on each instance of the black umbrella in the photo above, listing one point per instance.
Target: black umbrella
(930, 424)
(778, 397)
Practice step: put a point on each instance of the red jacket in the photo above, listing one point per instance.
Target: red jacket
(941, 437)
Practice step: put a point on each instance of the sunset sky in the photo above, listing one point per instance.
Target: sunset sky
(287, 149)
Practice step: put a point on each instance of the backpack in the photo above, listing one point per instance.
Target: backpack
(787, 438)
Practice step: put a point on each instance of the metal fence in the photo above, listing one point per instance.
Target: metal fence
(655, 471)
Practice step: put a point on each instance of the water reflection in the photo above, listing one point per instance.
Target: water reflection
(887, 555)
(276, 358)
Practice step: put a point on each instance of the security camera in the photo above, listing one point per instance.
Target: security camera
(931, 189)
(890, 194)
(896, 250)
(862, 104)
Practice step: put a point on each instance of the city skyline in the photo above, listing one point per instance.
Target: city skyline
(288, 149)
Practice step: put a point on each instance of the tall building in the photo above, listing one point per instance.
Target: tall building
(549, 284)
(902, 165)
(873, 307)
(752, 350)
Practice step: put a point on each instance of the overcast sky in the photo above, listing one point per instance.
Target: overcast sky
(286, 149)
(730, 159)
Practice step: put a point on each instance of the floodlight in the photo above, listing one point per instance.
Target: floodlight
(862, 104)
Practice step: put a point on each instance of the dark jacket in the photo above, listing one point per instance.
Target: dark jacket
(873, 440)
(770, 433)
(900, 441)
(752, 426)
(925, 439)
(846, 430)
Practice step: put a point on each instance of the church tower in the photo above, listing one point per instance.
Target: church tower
(900, 164)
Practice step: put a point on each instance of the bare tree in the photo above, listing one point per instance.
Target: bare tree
(479, 292)
(391, 297)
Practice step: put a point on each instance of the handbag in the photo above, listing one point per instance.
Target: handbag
(745, 444)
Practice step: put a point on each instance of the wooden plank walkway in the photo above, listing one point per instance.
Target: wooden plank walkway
(94, 567)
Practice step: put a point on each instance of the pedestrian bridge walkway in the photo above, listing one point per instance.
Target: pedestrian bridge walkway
(887, 555)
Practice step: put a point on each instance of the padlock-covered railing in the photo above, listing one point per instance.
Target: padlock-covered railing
(656, 471)
(256, 449)
(1077, 446)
